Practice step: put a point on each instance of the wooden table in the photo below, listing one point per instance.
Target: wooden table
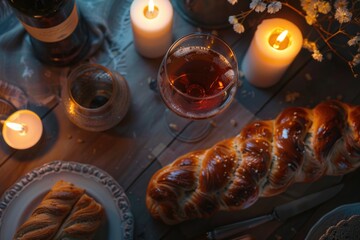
(133, 150)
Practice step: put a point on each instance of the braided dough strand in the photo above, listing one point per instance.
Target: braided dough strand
(264, 159)
(50, 213)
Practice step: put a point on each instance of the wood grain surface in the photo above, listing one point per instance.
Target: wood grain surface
(138, 146)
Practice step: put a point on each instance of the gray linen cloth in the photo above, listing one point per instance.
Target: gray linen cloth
(110, 32)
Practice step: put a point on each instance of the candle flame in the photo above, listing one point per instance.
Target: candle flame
(151, 6)
(16, 127)
(151, 11)
(282, 36)
(280, 39)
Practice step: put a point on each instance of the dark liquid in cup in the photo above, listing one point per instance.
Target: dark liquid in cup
(98, 100)
(200, 74)
(92, 94)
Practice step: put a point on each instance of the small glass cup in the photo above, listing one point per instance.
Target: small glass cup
(95, 98)
(6, 109)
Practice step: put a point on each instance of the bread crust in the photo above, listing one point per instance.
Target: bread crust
(60, 205)
(85, 218)
(264, 159)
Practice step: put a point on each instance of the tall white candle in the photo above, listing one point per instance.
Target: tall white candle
(152, 27)
(22, 129)
(269, 56)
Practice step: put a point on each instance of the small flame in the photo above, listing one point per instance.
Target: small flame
(282, 36)
(280, 39)
(16, 127)
(151, 6)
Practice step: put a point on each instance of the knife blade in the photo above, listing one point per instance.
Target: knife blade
(280, 213)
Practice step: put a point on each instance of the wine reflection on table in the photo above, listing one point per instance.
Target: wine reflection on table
(197, 80)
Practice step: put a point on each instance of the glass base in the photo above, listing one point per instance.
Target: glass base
(186, 130)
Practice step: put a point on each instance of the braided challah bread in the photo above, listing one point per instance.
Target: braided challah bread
(300, 145)
(66, 212)
(46, 219)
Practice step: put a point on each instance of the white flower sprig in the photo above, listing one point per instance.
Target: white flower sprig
(322, 15)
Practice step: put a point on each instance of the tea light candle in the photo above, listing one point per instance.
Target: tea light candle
(275, 45)
(151, 22)
(22, 129)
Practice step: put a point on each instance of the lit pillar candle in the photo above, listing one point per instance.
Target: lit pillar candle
(22, 129)
(275, 45)
(151, 22)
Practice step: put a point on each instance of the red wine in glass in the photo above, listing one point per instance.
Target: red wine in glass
(197, 79)
(199, 82)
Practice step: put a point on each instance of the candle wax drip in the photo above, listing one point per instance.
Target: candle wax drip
(275, 43)
(151, 14)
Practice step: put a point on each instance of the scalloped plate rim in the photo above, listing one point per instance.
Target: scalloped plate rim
(75, 170)
(332, 218)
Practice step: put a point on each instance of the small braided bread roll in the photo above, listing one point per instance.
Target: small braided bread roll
(48, 216)
(300, 145)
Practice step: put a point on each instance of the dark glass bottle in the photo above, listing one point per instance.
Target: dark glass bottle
(57, 31)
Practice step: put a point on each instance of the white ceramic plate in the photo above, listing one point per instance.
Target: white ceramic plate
(19, 201)
(332, 218)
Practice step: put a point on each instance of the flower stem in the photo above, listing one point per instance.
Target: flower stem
(293, 9)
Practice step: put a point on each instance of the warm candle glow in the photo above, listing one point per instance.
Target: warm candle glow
(22, 129)
(275, 45)
(280, 39)
(151, 6)
(151, 22)
(16, 127)
(151, 11)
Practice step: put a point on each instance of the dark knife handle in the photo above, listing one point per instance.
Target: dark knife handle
(238, 227)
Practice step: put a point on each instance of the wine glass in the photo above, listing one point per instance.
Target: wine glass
(197, 80)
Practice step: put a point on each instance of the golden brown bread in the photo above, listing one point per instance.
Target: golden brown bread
(83, 221)
(65, 212)
(300, 145)
(50, 213)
